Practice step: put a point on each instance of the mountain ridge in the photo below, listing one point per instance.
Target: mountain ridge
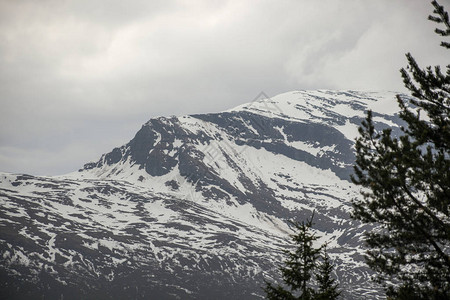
(191, 198)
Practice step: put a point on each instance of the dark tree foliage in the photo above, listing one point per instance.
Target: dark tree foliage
(300, 267)
(407, 185)
(328, 287)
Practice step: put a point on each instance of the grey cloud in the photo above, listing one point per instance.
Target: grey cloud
(85, 75)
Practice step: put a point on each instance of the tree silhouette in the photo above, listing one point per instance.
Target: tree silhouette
(299, 269)
(407, 181)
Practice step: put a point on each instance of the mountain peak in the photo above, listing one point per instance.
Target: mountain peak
(313, 122)
(199, 197)
(311, 105)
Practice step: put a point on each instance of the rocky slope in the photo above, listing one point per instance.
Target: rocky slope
(194, 207)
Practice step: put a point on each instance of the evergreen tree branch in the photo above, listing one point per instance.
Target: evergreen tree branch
(441, 18)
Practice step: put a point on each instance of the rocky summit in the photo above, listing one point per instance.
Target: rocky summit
(197, 206)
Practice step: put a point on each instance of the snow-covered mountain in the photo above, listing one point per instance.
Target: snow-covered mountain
(194, 207)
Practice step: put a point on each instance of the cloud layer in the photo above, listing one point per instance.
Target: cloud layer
(78, 78)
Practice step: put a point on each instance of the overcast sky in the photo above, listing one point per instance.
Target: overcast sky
(78, 78)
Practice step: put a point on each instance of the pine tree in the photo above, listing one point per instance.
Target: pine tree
(407, 181)
(299, 268)
(328, 287)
